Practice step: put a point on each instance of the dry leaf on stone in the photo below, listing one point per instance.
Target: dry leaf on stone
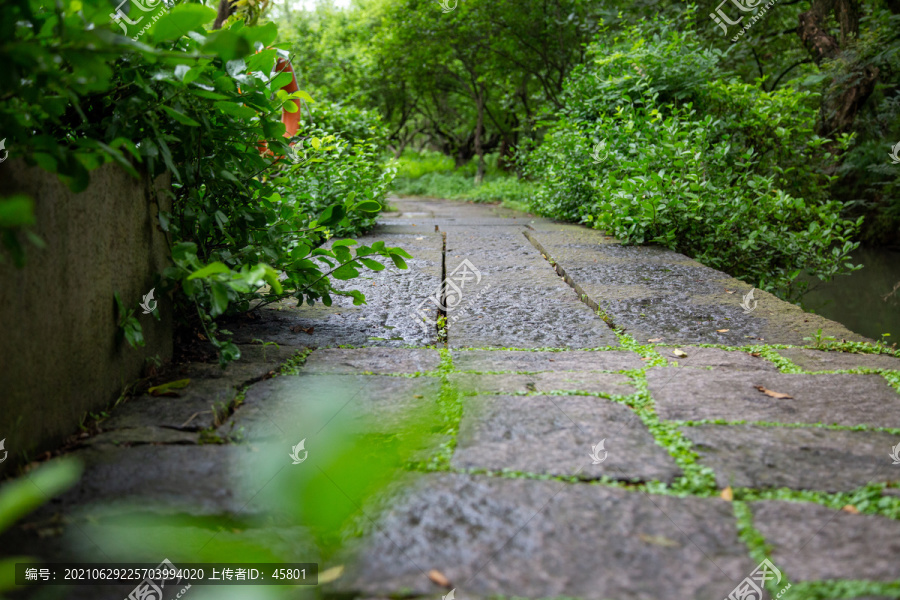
(658, 540)
(300, 328)
(680, 353)
(772, 394)
(439, 578)
(655, 340)
(723, 330)
(727, 494)
(329, 575)
(851, 509)
(729, 291)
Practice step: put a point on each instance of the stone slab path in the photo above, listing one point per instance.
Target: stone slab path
(725, 442)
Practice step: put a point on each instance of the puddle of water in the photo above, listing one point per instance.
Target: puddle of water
(858, 300)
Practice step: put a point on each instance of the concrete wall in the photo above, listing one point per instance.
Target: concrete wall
(60, 352)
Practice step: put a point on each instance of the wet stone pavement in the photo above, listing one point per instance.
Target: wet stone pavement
(725, 442)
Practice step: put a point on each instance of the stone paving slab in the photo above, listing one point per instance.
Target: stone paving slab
(816, 360)
(810, 542)
(715, 357)
(292, 408)
(374, 360)
(654, 292)
(142, 435)
(167, 478)
(385, 320)
(546, 539)
(797, 458)
(554, 435)
(510, 383)
(573, 360)
(691, 395)
(195, 407)
(256, 361)
(519, 302)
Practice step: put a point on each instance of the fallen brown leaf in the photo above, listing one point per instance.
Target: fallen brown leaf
(723, 330)
(300, 328)
(439, 578)
(680, 353)
(756, 354)
(851, 509)
(729, 291)
(329, 575)
(655, 340)
(772, 394)
(201, 336)
(727, 494)
(658, 540)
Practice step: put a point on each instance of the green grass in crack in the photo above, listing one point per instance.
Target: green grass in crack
(891, 430)
(748, 533)
(867, 499)
(648, 351)
(450, 408)
(784, 365)
(756, 545)
(827, 590)
(292, 365)
(696, 479)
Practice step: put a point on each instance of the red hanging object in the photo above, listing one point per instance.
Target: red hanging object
(291, 120)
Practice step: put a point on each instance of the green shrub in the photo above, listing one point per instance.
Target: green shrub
(247, 224)
(656, 145)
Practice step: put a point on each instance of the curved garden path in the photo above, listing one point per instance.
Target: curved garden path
(724, 442)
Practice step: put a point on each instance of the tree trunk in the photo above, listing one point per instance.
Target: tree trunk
(840, 104)
(479, 133)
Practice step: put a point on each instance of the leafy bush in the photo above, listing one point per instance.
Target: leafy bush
(655, 145)
(349, 165)
(247, 224)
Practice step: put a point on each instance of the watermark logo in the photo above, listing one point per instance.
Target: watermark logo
(895, 454)
(121, 18)
(450, 595)
(152, 587)
(3, 441)
(145, 303)
(6, 152)
(895, 153)
(748, 299)
(751, 588)
(295, 452)
(445, 5)
(449, 295)
(294, 155)
(596, 450)
(600, 154)
(745, 6)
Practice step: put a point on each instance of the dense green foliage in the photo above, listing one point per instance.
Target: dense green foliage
(250, 214)
(793, 130)
(655, 143)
